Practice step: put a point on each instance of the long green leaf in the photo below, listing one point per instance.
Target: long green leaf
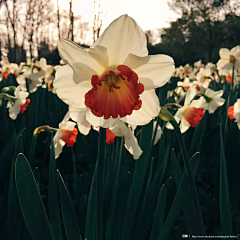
(9, 150)
(116, 194)
(151, 195)
(159, 214)
(53, 203)
(198, 135)
(90, 231)
(80, 203)
(225, 204)
(100, 177)
(30, 201)
(36, 174)
(188, 208)
(138, 179)
(15, 217)
(177, 205)
(68, 212)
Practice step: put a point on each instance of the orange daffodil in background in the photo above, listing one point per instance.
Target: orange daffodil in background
(65, 135)
(112, 83)
(234, 112)
(189, 115)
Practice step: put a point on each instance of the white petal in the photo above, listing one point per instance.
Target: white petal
(122, 37)
(14, 110)
(221, 63)
(237, 65)
(70, 92)
(184, 126)
(23, 95)
(224, 53)
(83, 63)
(218, 94)
(158, 133)
(79, 116)
(149, 110)
(199, 103)
(100, 121)
(212, 107)
(235, 51)
(58, 147)
(153, 71)
(191, 93)
(131, 142)
(84, 127)
(237, 110)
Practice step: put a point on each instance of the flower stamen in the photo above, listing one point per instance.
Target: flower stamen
(115, 93)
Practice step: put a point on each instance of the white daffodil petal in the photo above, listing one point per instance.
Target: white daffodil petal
(100, 121)
(149, 110)
(235, 51)
(131, 143)
(122, 37)
(14, 111)
(84, 64)
(84, 127)
(70, 92)
(184, 126)
(99, 53)
(224, 53)
(237, 110)
(153, 71)
(58, 146)
(79, 116)
(191, 93)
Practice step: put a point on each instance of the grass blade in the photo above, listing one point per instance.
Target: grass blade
(138, 179)
(68, 212)
(30, 201)
(177, 205)
(53, 203)
(225, 204)
(159, 214)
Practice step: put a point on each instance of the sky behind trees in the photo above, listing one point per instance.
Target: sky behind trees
(149, 14)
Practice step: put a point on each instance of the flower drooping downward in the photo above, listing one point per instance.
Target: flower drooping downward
(68, 136)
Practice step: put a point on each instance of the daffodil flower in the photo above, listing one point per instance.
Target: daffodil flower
(18, 105)
(228, 59)
(115, 79)
(210, 101)
(65, 135)
(234, 112)
(34, 75)
(189, 115)
(204, 77)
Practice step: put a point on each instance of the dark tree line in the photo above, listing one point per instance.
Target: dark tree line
(204, 27)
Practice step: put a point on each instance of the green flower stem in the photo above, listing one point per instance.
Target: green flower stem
(34, 141)
(167, 116)
(8, 89)
(228, 103)
(7, 97)
(100, 176)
